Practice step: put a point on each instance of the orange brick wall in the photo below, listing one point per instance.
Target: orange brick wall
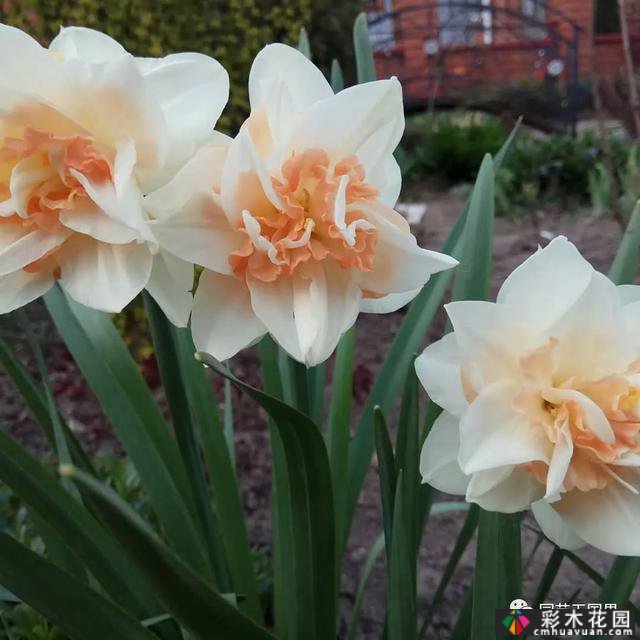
(510, 58)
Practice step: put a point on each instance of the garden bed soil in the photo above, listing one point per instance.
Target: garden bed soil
(597, 238)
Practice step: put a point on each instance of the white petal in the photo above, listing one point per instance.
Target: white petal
(28, 67)
(389, 303)
(554, 527)
(123, 204)
(381, 168)
(192, 89)
(223, 321)
(592, 333)
(507, 489)
(559, 465)
(86, 45)
(629, 293)
(170, 284)
(86, 217)
(246, 184)
(439, 371)
(344, 123)
(492, 338)
(493, 434)
(20, 288)
(306, 314)
(400, 265)
(28, 248)
(332, 300)
(27, 175)
(594, 418)
(189, 220)
(439, 457)
(116, 105)
(285, 83)
(548, 283)
(608, 519)
(104, 276)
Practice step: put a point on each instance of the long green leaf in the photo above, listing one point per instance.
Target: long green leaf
(620, 581)
(66, 602)
(625, 264)
(372, 557)
(388, 475)
(337, 435)
(408, 456)
(285, 602)
(115, 379)
(407, 341)
(365, 63)
(173, 382)
(488, 586)
(222, 474)
(337, 78)
(549, 575)
(34, 397)
(204, 612)
(401, 607)
(462, 542)
(46, 498)
(312, 509)
(473, 274)
(304, 45)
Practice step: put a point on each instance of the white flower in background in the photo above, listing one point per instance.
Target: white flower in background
(85, 130)
(294, 221)
(541, 399)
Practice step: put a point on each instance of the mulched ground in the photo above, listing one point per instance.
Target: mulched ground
(597, 238)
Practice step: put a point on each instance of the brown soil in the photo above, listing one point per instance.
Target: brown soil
(515, 240)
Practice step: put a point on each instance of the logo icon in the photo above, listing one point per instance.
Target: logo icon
(516, 622)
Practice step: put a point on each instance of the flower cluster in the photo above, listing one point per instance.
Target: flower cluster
(541, 400)
(113, 180)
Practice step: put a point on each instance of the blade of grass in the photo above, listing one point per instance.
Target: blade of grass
(204, 612)
(115, 379)
(66, 602)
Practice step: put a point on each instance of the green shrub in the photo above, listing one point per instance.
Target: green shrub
(558, 169)
(447, 147)
(232, 31)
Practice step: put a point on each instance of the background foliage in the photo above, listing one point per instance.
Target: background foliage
(232, 31)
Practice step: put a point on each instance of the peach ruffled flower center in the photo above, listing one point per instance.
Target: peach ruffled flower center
(45, 164)
(563, 410)
(317, 219)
